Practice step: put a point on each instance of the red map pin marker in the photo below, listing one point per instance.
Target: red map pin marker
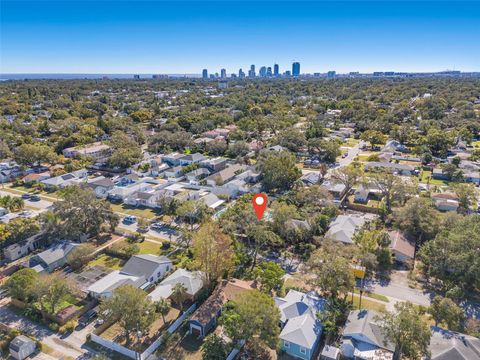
(259, 204)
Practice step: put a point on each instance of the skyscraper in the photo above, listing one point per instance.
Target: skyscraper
(296, 69)
(251, 72)
(241, 74)
(262, 72)
(269, 72)
(205, 74)
(276, 70)
(223, 73)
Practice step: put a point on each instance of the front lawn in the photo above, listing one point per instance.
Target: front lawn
(108, 262)
(146, 247)
(367, 304)
(136, 211)
(426, 178)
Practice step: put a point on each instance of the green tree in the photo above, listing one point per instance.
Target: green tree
(21, 283)
(131, 307)
(34, 154)
(279, 170)
(51, 290)
(407, 331)
(213, 252)
(374, 137)
(270, 275)
(466, 196)
(331, 269)
(80, 256)
(82, 214)
(253, 315)
(179, 294)
(348, 175)
(125, 151)
(162, 307)
(22, 228)
(445, 311)
(214, 348)
(418, 218)
(11, 203)
(192, 211)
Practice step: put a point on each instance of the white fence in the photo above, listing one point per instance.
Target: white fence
(153, 346)
(113, 346)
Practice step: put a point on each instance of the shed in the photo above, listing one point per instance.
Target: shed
(22, 347)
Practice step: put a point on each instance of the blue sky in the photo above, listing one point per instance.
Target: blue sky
(184, 37)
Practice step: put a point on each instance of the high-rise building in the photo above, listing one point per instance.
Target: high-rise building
(296, 69)
(262, 72)
(269, 72)
(276, 70)
(205, 74)
(331, 74)
(241, 74)
(136, 77)
(251, 72)
(287, 73)
(223, 73)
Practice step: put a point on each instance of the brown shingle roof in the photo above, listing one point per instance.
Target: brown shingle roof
(227, 290)
(401, 244)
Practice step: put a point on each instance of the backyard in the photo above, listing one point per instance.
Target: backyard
(140, 212)
(181, 346)
(116, 333)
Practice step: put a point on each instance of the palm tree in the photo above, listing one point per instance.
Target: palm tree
(162, 307)
(179, 292)
(12, 203)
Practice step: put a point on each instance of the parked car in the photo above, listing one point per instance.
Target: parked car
(35, 198)
(26, 196)
(157, 226)
(130, 219)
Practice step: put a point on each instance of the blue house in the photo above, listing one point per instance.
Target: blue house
(301, 330)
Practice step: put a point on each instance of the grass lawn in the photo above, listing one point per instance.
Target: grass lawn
(107, 261)
(22, 189)
(52, 352)
(136, 211)
(146, 247)
(351, 142)
(374, 296)
(366, 304)
(425, 176)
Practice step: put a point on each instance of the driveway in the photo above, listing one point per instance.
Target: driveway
(41, 205)
(71, 345)
(165, 233)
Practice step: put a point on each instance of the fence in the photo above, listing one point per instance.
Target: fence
(153, 346)
(113, 346)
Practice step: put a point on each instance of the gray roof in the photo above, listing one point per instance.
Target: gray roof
(302, 330)
(56, 252)
(193, 157)
(17, 343)
(144, 265)
(363, 322)
(106, 182)
(192, 280)
(393, 166)
(343, 228)
(448, 345)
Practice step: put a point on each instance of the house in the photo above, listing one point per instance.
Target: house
(310, 179)
(361, 195)
(337, 189)
(173, 159)
(194, 176)
(22, 347)
(215, 164)
(22, 248)
(472, 177)
(122, 192)
(52, 258)
(394, 146)
(205, 317)
(137, 271)
(191, 280)
(191, 159)
(363, 337)
(174, 172)
(402, 248)
(62, 181)
(344, 227)
(445, 201)
(438, 174)
(34, 178)
(446, 345)
(149, 198)
(301, 330)
(95, 150)
(101, 186)
(225, 175)
(401, 169)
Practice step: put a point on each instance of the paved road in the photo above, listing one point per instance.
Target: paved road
(397, 289)
(71, 345)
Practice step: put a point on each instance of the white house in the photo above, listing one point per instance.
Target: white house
(22, 347)
(95, 150)
(138, 270)
(343, 228)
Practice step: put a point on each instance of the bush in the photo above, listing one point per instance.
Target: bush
(68, 327)
(53, 326)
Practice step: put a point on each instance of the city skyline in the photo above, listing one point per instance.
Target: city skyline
(176, 37)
